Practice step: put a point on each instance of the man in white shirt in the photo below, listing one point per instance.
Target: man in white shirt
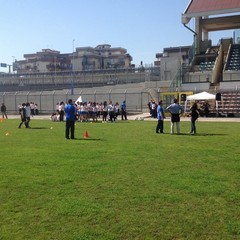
(175, 109)
(28, 115)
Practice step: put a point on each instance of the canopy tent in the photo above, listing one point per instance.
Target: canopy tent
(201, 96)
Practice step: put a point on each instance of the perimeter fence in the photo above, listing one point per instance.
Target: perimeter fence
(46, 101)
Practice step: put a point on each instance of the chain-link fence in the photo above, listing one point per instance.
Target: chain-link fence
(46, 101)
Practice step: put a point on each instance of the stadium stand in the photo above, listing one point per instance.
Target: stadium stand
(233, 62)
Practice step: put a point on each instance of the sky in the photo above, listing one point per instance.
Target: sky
(142, 27)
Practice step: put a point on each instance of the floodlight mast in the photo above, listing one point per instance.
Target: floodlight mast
(72, 72)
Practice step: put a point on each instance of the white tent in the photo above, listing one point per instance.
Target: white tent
(201, 96)
(79, 99)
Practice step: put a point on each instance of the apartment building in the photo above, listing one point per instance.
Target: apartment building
(84, 58)
(101, 57)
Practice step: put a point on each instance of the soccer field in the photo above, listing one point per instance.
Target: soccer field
(123, 182)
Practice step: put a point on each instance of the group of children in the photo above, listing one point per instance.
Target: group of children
(26, 110)
(87, 111)
(25, 113)
(33, 108)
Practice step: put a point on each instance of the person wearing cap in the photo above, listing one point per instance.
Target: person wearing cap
(70, 111)
(160, 117)
(175, 109)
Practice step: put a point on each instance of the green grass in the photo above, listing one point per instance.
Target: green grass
(124, 182)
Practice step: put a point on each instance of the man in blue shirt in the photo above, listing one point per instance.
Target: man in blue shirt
(160, 117)
(70, 111)
(124, 110)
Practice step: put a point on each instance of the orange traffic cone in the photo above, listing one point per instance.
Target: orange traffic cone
(2, 119)
(86, 134)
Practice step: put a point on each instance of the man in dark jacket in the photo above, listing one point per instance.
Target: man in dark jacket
(22, 111)
(3, 110)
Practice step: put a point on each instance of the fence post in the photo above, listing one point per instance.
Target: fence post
(40, 103)
(95, 96)
(53, 99)
(15, 101)
(4, 97)
(109, 95)
(66, 98)
(158, 95)
(125, 95)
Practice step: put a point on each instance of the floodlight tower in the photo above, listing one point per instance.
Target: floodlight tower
(72, 72)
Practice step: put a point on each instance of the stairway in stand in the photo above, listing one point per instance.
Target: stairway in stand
(230, 103)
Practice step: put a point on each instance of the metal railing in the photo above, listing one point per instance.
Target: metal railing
(81, 79)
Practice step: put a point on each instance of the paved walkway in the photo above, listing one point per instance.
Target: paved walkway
(146, 117)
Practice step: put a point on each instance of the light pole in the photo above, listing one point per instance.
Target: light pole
(72, 72)
(55, 63)
(13, 57)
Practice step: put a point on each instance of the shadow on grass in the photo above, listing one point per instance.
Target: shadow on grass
(85, 139)
(37, 128)
(199, 134)
(207, 134)
(194, 135)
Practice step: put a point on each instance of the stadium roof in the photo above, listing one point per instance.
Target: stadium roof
(198, 8)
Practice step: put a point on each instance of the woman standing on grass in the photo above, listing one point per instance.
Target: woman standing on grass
(61, 111)
(104, 112)
(194, 116)
(111, 111)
